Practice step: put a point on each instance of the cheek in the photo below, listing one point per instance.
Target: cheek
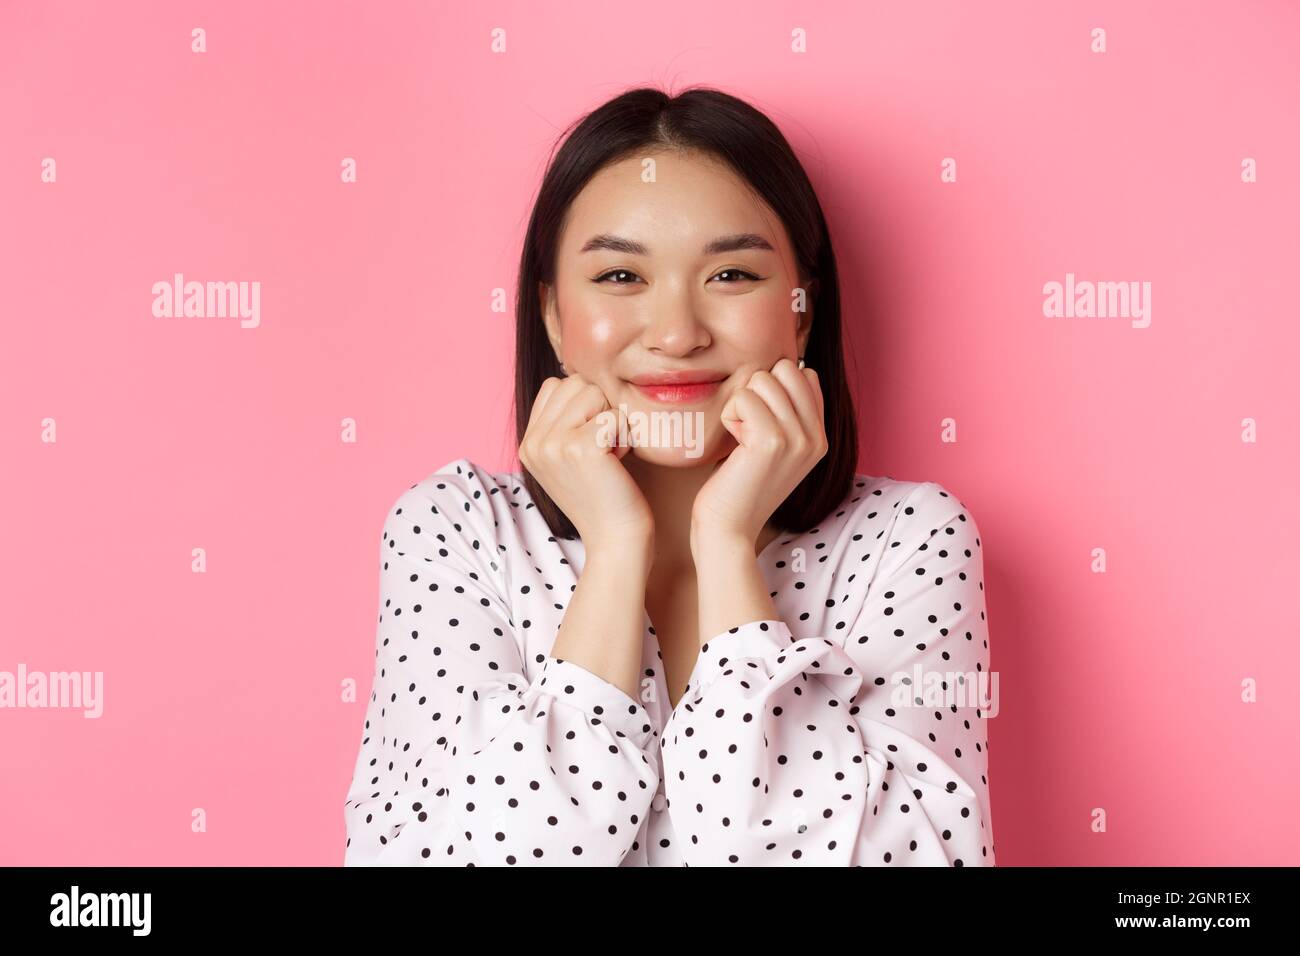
(589, 325)
(758, 325)
(590, 334)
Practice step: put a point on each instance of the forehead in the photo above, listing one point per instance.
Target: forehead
(692, 197)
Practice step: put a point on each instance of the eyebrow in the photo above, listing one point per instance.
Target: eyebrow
(733, 243)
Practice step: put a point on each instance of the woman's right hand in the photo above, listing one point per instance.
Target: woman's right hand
(561, 448)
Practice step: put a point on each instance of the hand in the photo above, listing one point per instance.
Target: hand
(777, 421)
(584, 475)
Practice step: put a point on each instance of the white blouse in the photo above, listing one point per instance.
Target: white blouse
(823, 738)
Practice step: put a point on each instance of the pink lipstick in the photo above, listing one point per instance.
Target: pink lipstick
(679, 388)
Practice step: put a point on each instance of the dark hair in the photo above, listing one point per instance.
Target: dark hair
(713, 122)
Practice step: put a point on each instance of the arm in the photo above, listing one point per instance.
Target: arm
(786, 751)
(464, 760)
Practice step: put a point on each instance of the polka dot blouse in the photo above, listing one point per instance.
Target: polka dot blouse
(848, 732)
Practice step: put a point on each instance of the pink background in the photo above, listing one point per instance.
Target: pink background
(1119, 691)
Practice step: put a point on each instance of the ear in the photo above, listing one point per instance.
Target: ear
(550, 315)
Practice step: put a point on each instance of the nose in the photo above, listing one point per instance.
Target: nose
(674, 328)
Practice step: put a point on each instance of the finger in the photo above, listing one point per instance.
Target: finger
(581, 407)
(800, 391)
(748, 418)
(542, 398)
(563, 393)
(774, 393)
(602, 431)
(816, 384)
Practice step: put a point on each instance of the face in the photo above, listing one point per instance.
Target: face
(647, 287)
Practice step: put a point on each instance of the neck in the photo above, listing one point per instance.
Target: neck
(671, 492)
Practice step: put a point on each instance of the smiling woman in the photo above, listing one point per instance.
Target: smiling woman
(655, 655)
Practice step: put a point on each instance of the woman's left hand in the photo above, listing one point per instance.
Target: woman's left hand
(777, 420)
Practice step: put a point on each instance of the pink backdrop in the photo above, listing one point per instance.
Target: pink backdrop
(1120, 691)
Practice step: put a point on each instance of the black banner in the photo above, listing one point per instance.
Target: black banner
(243, 904)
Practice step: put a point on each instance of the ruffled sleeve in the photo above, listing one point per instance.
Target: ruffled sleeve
(825, 749)
(464, 759)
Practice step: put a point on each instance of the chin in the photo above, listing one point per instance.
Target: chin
(708, 450)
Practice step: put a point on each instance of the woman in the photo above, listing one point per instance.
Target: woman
(700, 651)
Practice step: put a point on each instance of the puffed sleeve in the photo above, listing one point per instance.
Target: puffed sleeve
(784, 751)
(464, 760)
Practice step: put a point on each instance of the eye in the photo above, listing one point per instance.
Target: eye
(740, 273)
(616, 272)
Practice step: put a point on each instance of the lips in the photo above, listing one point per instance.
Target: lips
(679, 394)
(677, 388)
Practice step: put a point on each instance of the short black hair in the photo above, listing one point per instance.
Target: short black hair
(706, 120)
